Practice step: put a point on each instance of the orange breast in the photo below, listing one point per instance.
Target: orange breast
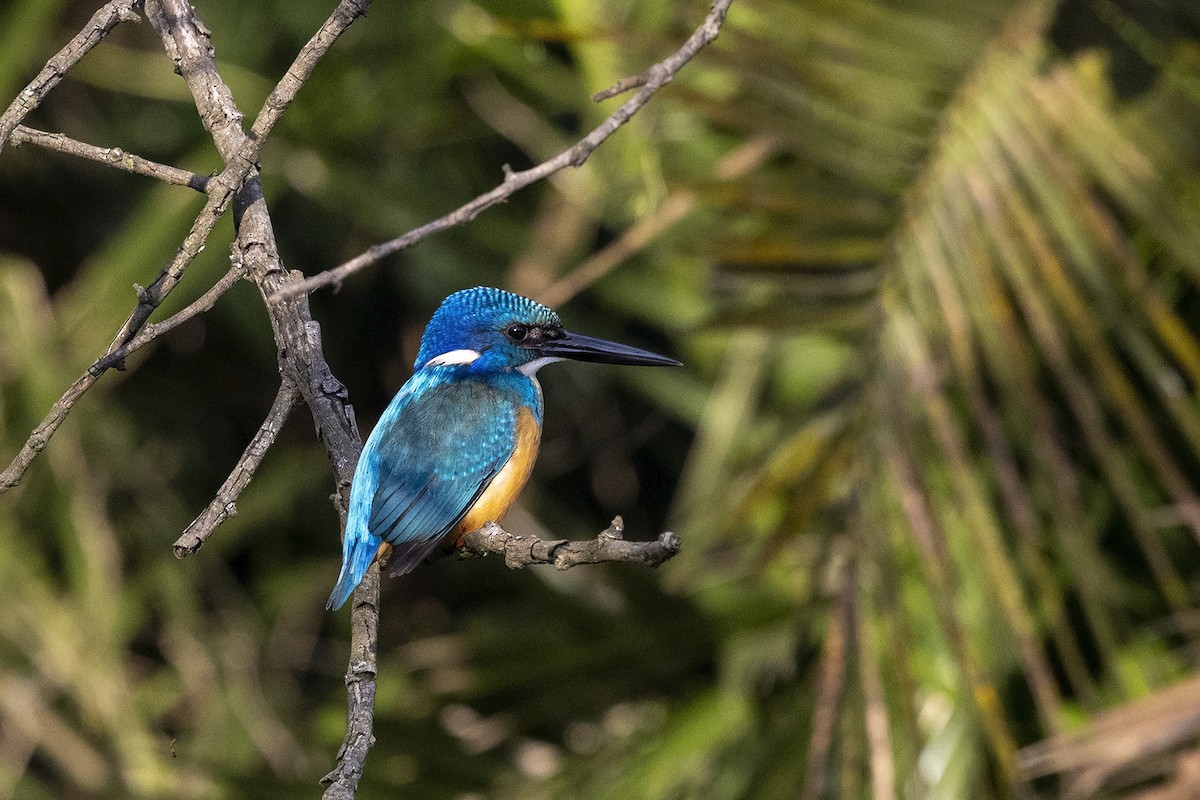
(502, 492)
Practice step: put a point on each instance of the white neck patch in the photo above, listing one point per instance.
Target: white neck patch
(533, 366)
(453, 357)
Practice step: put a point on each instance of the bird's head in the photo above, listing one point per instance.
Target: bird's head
(494, 329)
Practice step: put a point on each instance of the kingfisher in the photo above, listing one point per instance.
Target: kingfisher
(457, 443)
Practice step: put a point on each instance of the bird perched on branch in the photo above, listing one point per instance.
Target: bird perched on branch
(458, 441)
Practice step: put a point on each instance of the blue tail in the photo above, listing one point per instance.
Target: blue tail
(357, 554)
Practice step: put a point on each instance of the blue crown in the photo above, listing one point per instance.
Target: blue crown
(473, 318)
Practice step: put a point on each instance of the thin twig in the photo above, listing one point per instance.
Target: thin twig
(224, 505)
(620, 87)
(678, 205)
(306, 60)
(610, 546)
(112, 156)
(221, 191)
(100, 25)
(656, 77)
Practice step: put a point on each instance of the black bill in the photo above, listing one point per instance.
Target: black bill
(578, 347)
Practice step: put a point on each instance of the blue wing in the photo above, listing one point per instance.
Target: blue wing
(436, 457)
(434, 451)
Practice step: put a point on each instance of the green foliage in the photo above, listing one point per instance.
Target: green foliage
(932, 268)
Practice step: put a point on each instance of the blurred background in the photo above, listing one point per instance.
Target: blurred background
(934, 459)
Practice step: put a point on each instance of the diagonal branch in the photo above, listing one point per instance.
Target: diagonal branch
(100, 25)
(650, 82)
(620, 87)
(224, 505)
(149, 299)
(40, 435)
(346, 12)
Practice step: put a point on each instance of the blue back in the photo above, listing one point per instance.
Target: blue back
(438, 446)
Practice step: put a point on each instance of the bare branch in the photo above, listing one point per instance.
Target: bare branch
(655, 78)
(620, 87)
(112, 156)
(224, 505)
(342, 782)
(306, 60)
(221, 191)
(100, 25)
(297, 335)
(306, 374)
(190, 51)
(610, 546)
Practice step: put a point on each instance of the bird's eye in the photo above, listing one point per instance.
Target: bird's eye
(517, 332)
